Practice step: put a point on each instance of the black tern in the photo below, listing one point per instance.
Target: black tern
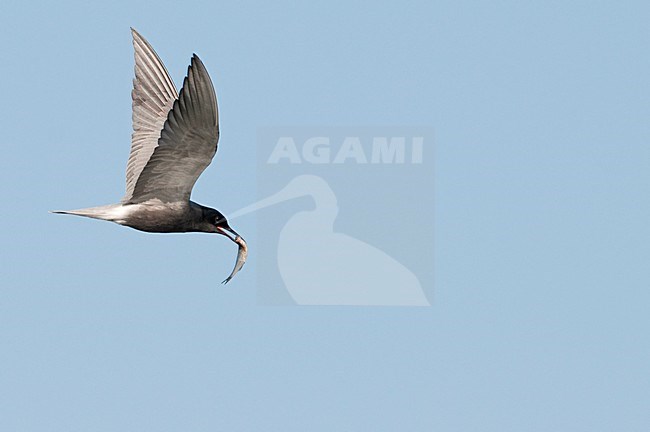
(174, 139)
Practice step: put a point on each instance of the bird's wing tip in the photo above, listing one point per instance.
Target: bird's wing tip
(136, 36)
(196, 60)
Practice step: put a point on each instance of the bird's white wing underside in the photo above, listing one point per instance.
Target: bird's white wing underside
(153, 96)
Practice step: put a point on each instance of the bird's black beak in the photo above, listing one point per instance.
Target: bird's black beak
(228, 232)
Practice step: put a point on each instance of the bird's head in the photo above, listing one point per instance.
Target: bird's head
(218, 223)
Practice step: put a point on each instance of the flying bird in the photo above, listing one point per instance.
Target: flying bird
(174, 139)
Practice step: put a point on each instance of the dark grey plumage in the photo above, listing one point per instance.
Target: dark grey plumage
(174, 139)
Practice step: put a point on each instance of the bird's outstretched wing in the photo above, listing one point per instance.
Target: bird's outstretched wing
(187, 143)
(153, 95)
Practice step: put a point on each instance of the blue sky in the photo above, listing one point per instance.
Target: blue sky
(539, 320)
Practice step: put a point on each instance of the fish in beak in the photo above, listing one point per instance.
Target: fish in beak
(242, 253)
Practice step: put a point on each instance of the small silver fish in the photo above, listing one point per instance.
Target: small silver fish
(242, 254)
